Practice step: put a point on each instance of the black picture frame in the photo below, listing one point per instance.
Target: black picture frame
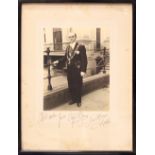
(133, 2)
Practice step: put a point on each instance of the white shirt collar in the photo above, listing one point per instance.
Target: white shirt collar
(72, 44)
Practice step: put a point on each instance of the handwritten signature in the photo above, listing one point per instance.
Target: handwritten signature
(78, 119)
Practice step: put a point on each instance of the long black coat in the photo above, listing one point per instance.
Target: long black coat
(75, 65)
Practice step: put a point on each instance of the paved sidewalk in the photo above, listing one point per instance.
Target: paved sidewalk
(96, 100)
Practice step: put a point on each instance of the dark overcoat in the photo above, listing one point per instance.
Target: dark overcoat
(76, 62)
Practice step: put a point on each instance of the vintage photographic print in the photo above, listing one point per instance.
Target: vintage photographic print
(76, 77)
(76, 68)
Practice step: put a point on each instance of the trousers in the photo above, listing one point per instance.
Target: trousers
(75, 83)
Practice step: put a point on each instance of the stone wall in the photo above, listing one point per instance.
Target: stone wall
(61, 95)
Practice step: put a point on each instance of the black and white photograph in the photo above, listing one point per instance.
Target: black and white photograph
(77, 77)
(76, 68)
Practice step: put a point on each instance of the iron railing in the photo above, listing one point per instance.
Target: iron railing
(102, 63)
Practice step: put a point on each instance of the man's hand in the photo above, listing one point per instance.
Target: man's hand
(55, 62)
(82, 74)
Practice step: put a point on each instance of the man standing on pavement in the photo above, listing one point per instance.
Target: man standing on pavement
(76, 61)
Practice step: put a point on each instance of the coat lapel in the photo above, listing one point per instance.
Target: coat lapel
(72, 50)
(75, 46)
(72, 54)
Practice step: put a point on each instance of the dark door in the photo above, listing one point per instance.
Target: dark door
(57, 39)
(98, 38)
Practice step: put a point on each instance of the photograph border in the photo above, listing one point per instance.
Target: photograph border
(133, 152)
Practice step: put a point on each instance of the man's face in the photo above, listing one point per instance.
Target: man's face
(72, 38)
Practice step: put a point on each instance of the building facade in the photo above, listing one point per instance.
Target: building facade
(94, 39)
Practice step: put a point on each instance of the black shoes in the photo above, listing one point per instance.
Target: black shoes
(71, 102)
(79, 104)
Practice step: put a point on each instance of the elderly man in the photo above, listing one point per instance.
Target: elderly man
(76, 61)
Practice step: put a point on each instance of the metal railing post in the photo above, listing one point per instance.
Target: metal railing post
(104, 56)
(49, 71)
